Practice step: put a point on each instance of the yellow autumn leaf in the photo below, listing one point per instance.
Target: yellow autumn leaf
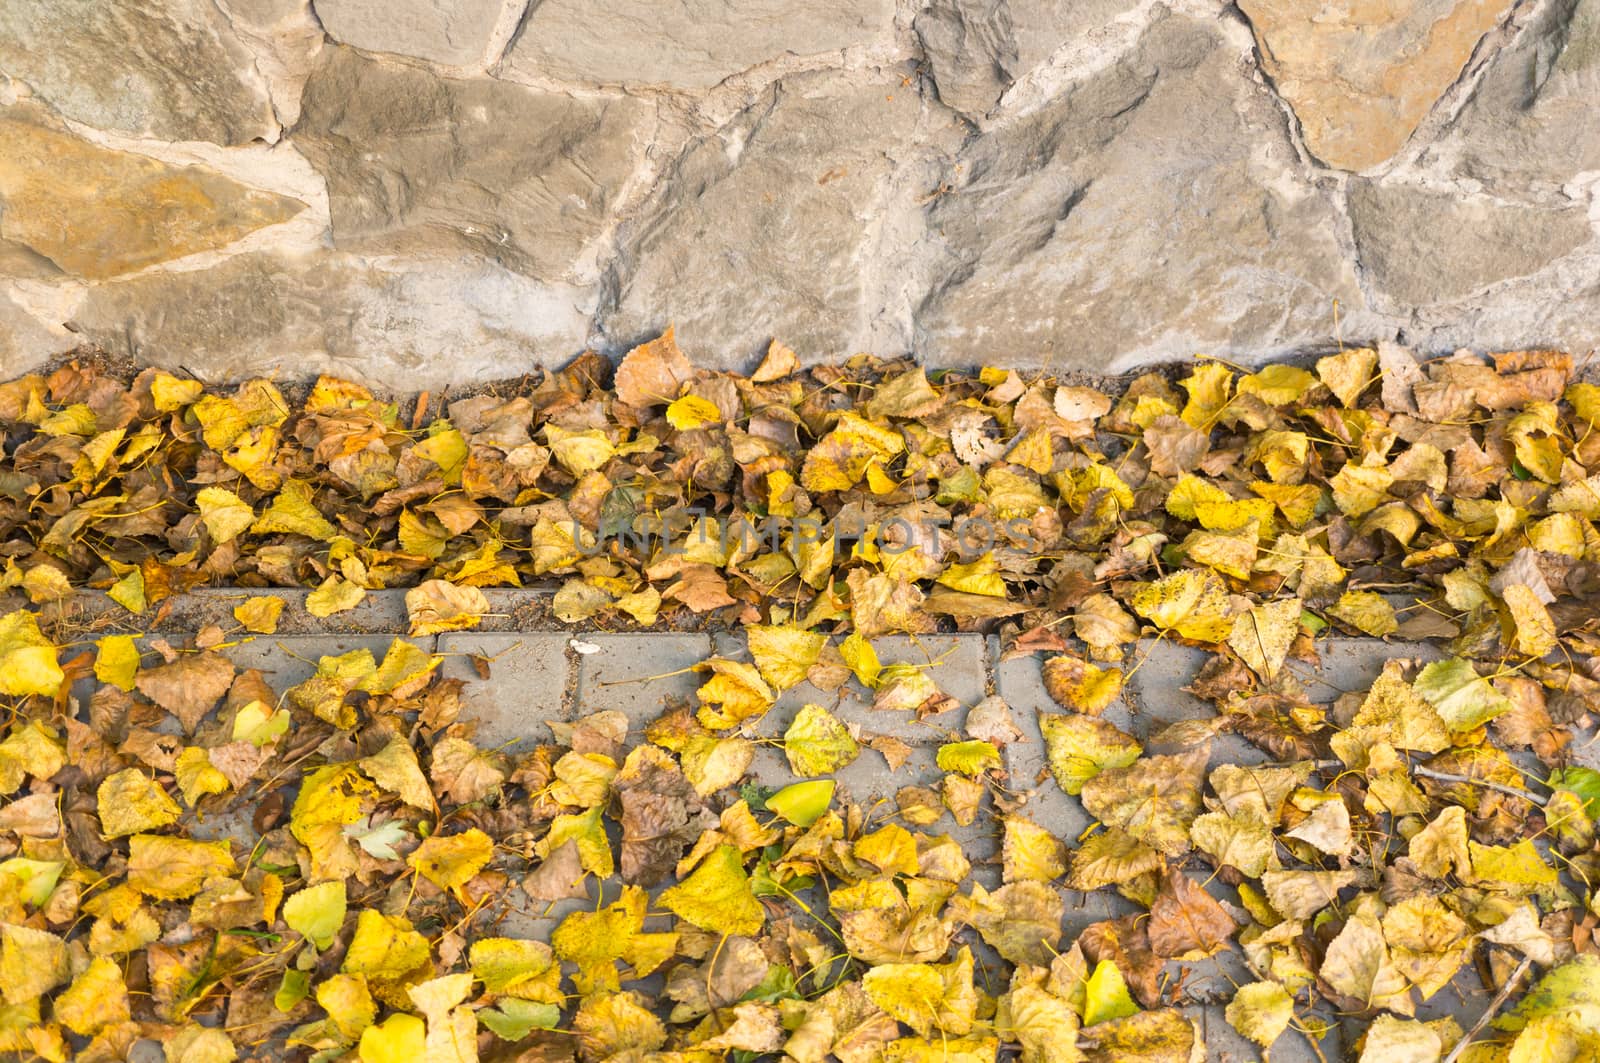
(446, 447)
(1359, 489)
(1210, 387)
(861, 659)
(1030, 853)
(349, 1004)
(130, 802)
(258, 724)
(1109, 857)
(1105, 995)
(384, 947)
(400, 1038)
(1079, 747)
(692, 411)
(97, 998)
(294, 512)
(587, 832)
(1078, 685)
(617, 1026)
(783, 653)
(395, 769)
(317, 912)
(1040, 1021)
(1440, 848)
(816, 743)
(1348, 373)
(1517, 869)
(1277, 384)
(334, 595)
(450, 862)
(197, 776)
(32, 962)
(579, 452)
(436, 606)
(1190, 603)
(1155, 799)
(27, 659)
(116, 661)
(891, 849)
(517, 967)
(169, 393)
(980, 576)
(1367, 612)
(1533, 630)
(909, 992)
(405, 669)
(716, 896)
(841, 457)
(225, 514)
(1260, 1011)
(735, 692)
(171, 869)
(1398, 715)
(129, 592)
(972, 757)
(34, 749)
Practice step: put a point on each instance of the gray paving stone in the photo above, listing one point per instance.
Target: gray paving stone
(289, 659)
(283, 660)
(381, 612)
(516, 915)
(1224, 1045)
(634, 674)
(538, 676)
(378, 612)
(1021, 687)
(527, 684)
(959, 664)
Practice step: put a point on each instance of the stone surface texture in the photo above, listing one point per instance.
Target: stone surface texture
(774, 223)
(1361, 75)
(1036, 258)
(454, 32)
(516, 175)
(1482, 241)
(96, 213)
(686, 44)
(976, 49)
(169, 69)
(421, 192)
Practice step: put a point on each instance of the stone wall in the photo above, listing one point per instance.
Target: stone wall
(422, 191)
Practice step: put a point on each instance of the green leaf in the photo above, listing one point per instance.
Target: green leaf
(1585, 782)
(38, 877)
(1105, 995)
(512, 1019)
(294, 988)
(973, 757)
(1570, 992)
(317, 912)
(1462, 698)
(803, 803)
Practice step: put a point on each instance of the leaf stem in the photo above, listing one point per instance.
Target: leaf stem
(1440, 776)
(1494, 1006)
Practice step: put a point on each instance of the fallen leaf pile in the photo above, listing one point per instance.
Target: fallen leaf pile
(191, 856)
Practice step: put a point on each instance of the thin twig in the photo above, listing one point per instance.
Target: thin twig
(1439, 776)
(1489, 1012)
